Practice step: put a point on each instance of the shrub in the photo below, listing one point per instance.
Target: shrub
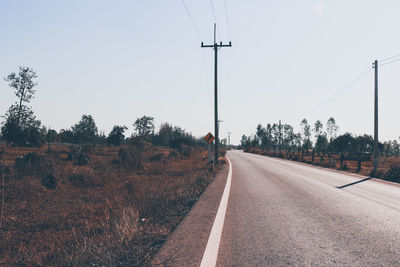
(32, 164)
(186, 151)
(156, 157)
(131, 158)
(136, 142)
(81, 179)
(49, 181)
(79, 153)
(173, 154)
(393, 173)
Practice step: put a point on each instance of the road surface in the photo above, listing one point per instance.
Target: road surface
(283, 213)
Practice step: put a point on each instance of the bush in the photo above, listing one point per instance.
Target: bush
(79, 153)
(136, 142)
(81, 180)
(49, 181)
(131, 159)
(156, 157)
(173, 154)
(393, 173)
(186, 151)
(32, 164)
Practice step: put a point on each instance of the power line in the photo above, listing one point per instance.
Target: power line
(386, 59)
(192, 21)
(341, 91)
(392, 61)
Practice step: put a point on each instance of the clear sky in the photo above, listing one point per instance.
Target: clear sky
(119, 60)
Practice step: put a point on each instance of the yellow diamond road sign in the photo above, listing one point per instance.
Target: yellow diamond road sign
(209, 138)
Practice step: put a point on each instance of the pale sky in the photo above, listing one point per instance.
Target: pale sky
(119, 60)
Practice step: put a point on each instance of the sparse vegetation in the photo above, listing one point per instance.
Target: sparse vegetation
(104, 213)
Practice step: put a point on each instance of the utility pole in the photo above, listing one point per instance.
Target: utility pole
(376, 142)
(216, 46)
(229, 140)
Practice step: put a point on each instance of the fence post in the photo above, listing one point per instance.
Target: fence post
(329, 159)
(341, 160)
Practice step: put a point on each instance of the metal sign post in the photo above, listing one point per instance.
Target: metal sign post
(209, 138)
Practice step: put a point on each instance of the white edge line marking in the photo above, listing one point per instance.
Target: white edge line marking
(211, 252)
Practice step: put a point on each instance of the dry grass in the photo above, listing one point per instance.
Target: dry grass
(105, 213)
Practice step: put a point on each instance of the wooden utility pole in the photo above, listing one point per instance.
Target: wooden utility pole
(216, 46)
(376, 142)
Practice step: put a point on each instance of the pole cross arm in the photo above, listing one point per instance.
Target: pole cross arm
(217, 45)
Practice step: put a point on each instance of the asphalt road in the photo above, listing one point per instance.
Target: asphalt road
(283, 213)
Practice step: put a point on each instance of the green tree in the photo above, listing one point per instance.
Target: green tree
(85, 131)
(245, 142)
(318, 129)
(322, 143)
(306, 129)
(23, 84)
(116, 136)
(21, 127)
(331, 128)
(165, 134)
(144, 126)
(262, 135)
(343, 143)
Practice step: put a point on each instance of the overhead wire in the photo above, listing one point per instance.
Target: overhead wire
(339, 92)
(392, 61)
(389, 58)
(192, 21)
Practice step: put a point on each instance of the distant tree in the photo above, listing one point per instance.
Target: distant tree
(306, 129)
(67, 136)
(288, 137)
(85, 131)
(144, 126)
(321, 145)
(318, 129)
(165, 134)
(364, 143)
(116, 136)
(21, 127)
(51, 136)
(297, 140)
(101, 138)
(262, 135)
(245, 142)
(23, 84)
(255, 141)
(331, 128)
(343, 143)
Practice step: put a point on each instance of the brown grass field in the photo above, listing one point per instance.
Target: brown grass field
(115, 211)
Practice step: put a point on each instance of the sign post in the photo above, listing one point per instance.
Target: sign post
(209, 138)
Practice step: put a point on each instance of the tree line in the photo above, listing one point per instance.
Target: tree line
(21, 127)
(280, 137)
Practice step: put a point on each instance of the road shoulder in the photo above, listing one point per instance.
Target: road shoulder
(186, 244)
